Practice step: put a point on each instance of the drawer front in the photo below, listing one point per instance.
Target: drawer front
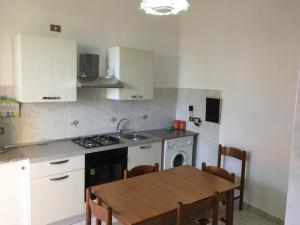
(147, 154)
(47, 168)
(56, 197)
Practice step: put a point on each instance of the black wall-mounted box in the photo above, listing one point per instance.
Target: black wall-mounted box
(213, 107)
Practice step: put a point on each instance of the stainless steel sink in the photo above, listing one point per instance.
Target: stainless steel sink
(133, 137)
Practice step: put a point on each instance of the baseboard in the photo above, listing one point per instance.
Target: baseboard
(75, 219)
(262, 213)
(71, 220)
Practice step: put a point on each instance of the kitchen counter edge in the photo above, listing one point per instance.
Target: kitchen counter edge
(64, 148)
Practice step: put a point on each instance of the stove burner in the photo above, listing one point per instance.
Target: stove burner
(105, 142)
(96, 141)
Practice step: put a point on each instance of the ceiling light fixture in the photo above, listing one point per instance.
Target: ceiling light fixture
(164, 7)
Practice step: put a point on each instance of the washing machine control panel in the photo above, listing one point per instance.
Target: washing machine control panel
(179, 143)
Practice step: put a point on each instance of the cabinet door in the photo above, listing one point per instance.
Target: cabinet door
(57, 197)
(129, 73)
(64, 70)
(33, 67)
(14, 193)
(147, 154)
(45, 69)
(144, 83)
(134, 67)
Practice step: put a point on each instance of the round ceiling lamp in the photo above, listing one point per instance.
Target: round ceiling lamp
(164, 7)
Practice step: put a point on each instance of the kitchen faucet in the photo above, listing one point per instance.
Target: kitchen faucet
(118, 130)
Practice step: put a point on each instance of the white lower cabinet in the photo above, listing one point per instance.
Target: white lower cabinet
(14, 193)
(56, 190)
(147, 154)
(56, 197)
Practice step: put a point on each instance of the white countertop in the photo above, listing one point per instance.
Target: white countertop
(44, 151)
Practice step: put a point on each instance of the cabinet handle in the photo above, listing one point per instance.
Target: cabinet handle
(59, 178)
(145, 146)
(51, 98)
(137, 96)
(59, 162)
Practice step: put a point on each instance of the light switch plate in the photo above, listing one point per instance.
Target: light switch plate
(1, 130)
(55, 28)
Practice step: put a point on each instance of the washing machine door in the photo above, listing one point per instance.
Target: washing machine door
(180, 158)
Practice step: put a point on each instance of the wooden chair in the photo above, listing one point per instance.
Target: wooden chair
(140, 170)
(220, 172)
(201, 212)
(100, 212)
(240, 155)
(217, 171)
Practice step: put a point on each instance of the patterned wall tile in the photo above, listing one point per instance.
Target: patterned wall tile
(208, 139)
(93, 113)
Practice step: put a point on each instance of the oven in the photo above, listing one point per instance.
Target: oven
(105, 166)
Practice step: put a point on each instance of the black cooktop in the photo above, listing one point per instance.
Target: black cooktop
(96, 141)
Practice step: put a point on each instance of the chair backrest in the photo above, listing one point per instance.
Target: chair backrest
(217, 171)
(234, 153)
(101, 213)
(200, 210)
(140, 170)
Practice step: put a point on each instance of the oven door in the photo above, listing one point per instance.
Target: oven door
(105, 167)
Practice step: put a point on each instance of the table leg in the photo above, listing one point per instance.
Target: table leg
(88, 208)
(229, 207)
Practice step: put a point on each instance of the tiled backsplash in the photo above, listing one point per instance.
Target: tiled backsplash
(95, 114)
(47, 121)
(208, 139)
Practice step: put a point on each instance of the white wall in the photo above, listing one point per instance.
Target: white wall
(95, 25)
(249, 50)
(293, 200)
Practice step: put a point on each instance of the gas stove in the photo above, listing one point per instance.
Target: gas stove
(96, 141)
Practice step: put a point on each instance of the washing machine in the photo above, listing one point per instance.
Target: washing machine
(178, 152)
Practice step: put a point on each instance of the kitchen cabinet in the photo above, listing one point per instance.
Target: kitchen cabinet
(57, 196)
(45, 69)
(147, 154)
(135, 69)
(14, 193)
(47, 168)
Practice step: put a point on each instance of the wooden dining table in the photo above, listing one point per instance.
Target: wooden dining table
(138, 199)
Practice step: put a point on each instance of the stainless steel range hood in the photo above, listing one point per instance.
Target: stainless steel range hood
(89, 74)
(100, 82)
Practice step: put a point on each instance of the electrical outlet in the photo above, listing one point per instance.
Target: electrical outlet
(55, 28)
(191, 119)
(1, 130)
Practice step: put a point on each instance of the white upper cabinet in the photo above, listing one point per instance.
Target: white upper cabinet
(135, 69)
(45, 69)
